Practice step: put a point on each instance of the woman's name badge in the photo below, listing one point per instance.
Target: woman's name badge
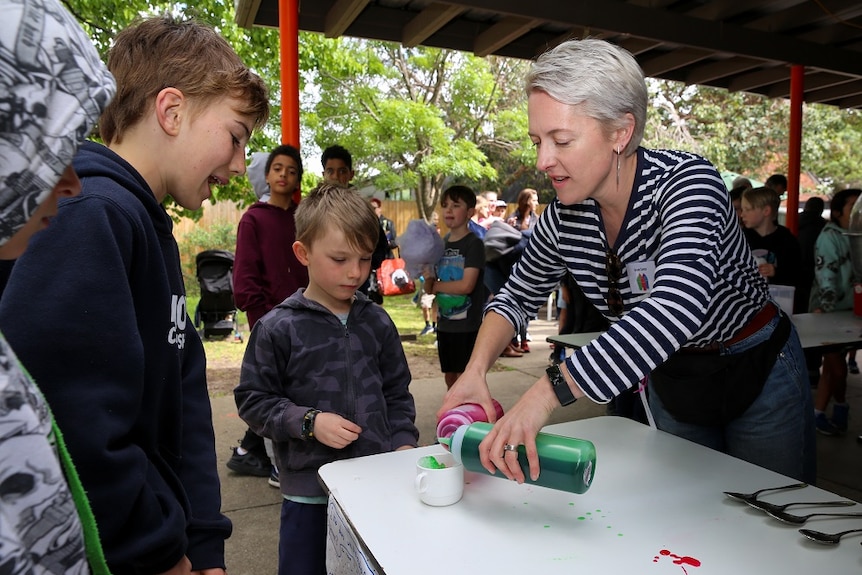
(641, 276)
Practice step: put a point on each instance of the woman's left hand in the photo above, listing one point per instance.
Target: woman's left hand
(519, 426)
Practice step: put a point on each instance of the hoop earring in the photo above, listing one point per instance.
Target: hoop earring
(618, 166)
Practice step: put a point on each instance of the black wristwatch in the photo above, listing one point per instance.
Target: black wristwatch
(559, 385)
(308, 424)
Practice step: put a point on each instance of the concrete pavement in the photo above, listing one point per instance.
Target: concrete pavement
(254, 506)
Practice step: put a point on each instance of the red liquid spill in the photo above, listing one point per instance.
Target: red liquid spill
(680, 560)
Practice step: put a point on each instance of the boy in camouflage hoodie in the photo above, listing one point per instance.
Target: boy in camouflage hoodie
(324, 375)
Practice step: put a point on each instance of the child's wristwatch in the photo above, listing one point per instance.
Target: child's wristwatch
(308, 424)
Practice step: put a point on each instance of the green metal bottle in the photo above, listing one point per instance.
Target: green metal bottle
(565, 463)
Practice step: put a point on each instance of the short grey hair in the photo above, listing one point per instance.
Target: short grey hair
(604, 79)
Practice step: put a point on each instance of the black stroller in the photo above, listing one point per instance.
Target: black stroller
(216, 308)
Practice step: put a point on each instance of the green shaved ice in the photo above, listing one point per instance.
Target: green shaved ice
(430, 462)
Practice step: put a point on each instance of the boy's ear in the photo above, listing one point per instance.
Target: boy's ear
(471, 212)
(171, 103)
(301, 253)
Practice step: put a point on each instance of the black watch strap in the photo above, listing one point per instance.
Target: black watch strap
(308, 424)
(559, 385)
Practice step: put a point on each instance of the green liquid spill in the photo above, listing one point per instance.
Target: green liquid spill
(430, 462)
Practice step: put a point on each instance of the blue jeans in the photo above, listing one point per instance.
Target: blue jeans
(777, 429)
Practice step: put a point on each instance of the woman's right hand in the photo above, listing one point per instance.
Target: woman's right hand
(471, 387)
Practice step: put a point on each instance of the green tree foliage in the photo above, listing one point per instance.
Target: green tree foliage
(423, 118)
(749, 134)
(418, 119)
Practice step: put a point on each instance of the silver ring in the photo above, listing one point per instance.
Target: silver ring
(509, 447)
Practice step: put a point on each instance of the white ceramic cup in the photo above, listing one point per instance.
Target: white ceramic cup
(439, 487)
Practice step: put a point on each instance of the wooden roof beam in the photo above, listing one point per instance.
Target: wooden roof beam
(638, 46)
(672, 61)
(427, 22)
(813, 81)
(853, 102)
(843, 91)
(748, 82)
(341, 16)
(721, 69)
(502, 33)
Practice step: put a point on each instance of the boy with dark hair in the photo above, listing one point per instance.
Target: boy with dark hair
(458, 284)
(777, 182)
(776, 248)
(127, 375)
(338, 169)
(265, 272)
(337, 165)
(324, 374)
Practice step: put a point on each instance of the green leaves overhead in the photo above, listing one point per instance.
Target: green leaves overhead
(414, 118)
(419, 119)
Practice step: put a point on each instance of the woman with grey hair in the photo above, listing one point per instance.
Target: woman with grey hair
(651, 239)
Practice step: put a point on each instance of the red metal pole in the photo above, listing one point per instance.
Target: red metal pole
(794, 154)
(288, 25)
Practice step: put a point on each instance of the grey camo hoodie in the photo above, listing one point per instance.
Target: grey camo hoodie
(301, 357)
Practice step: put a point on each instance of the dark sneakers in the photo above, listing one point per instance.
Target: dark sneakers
(273, 477)
(249, 464)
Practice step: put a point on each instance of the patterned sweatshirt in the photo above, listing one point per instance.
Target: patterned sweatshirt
(832, 289)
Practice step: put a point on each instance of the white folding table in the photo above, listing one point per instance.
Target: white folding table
(655, 507)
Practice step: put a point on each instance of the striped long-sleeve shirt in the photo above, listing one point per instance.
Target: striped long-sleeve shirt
(705, 289)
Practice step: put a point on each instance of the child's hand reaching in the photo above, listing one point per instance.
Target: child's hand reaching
(334, 431)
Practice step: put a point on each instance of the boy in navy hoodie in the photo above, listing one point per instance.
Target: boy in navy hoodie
(324, 374)
(96, 308)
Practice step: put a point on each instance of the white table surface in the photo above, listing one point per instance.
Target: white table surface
(829, 330)
(816, 331)
(652, 492)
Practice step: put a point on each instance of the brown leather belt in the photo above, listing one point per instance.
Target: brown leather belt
(760, 319)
